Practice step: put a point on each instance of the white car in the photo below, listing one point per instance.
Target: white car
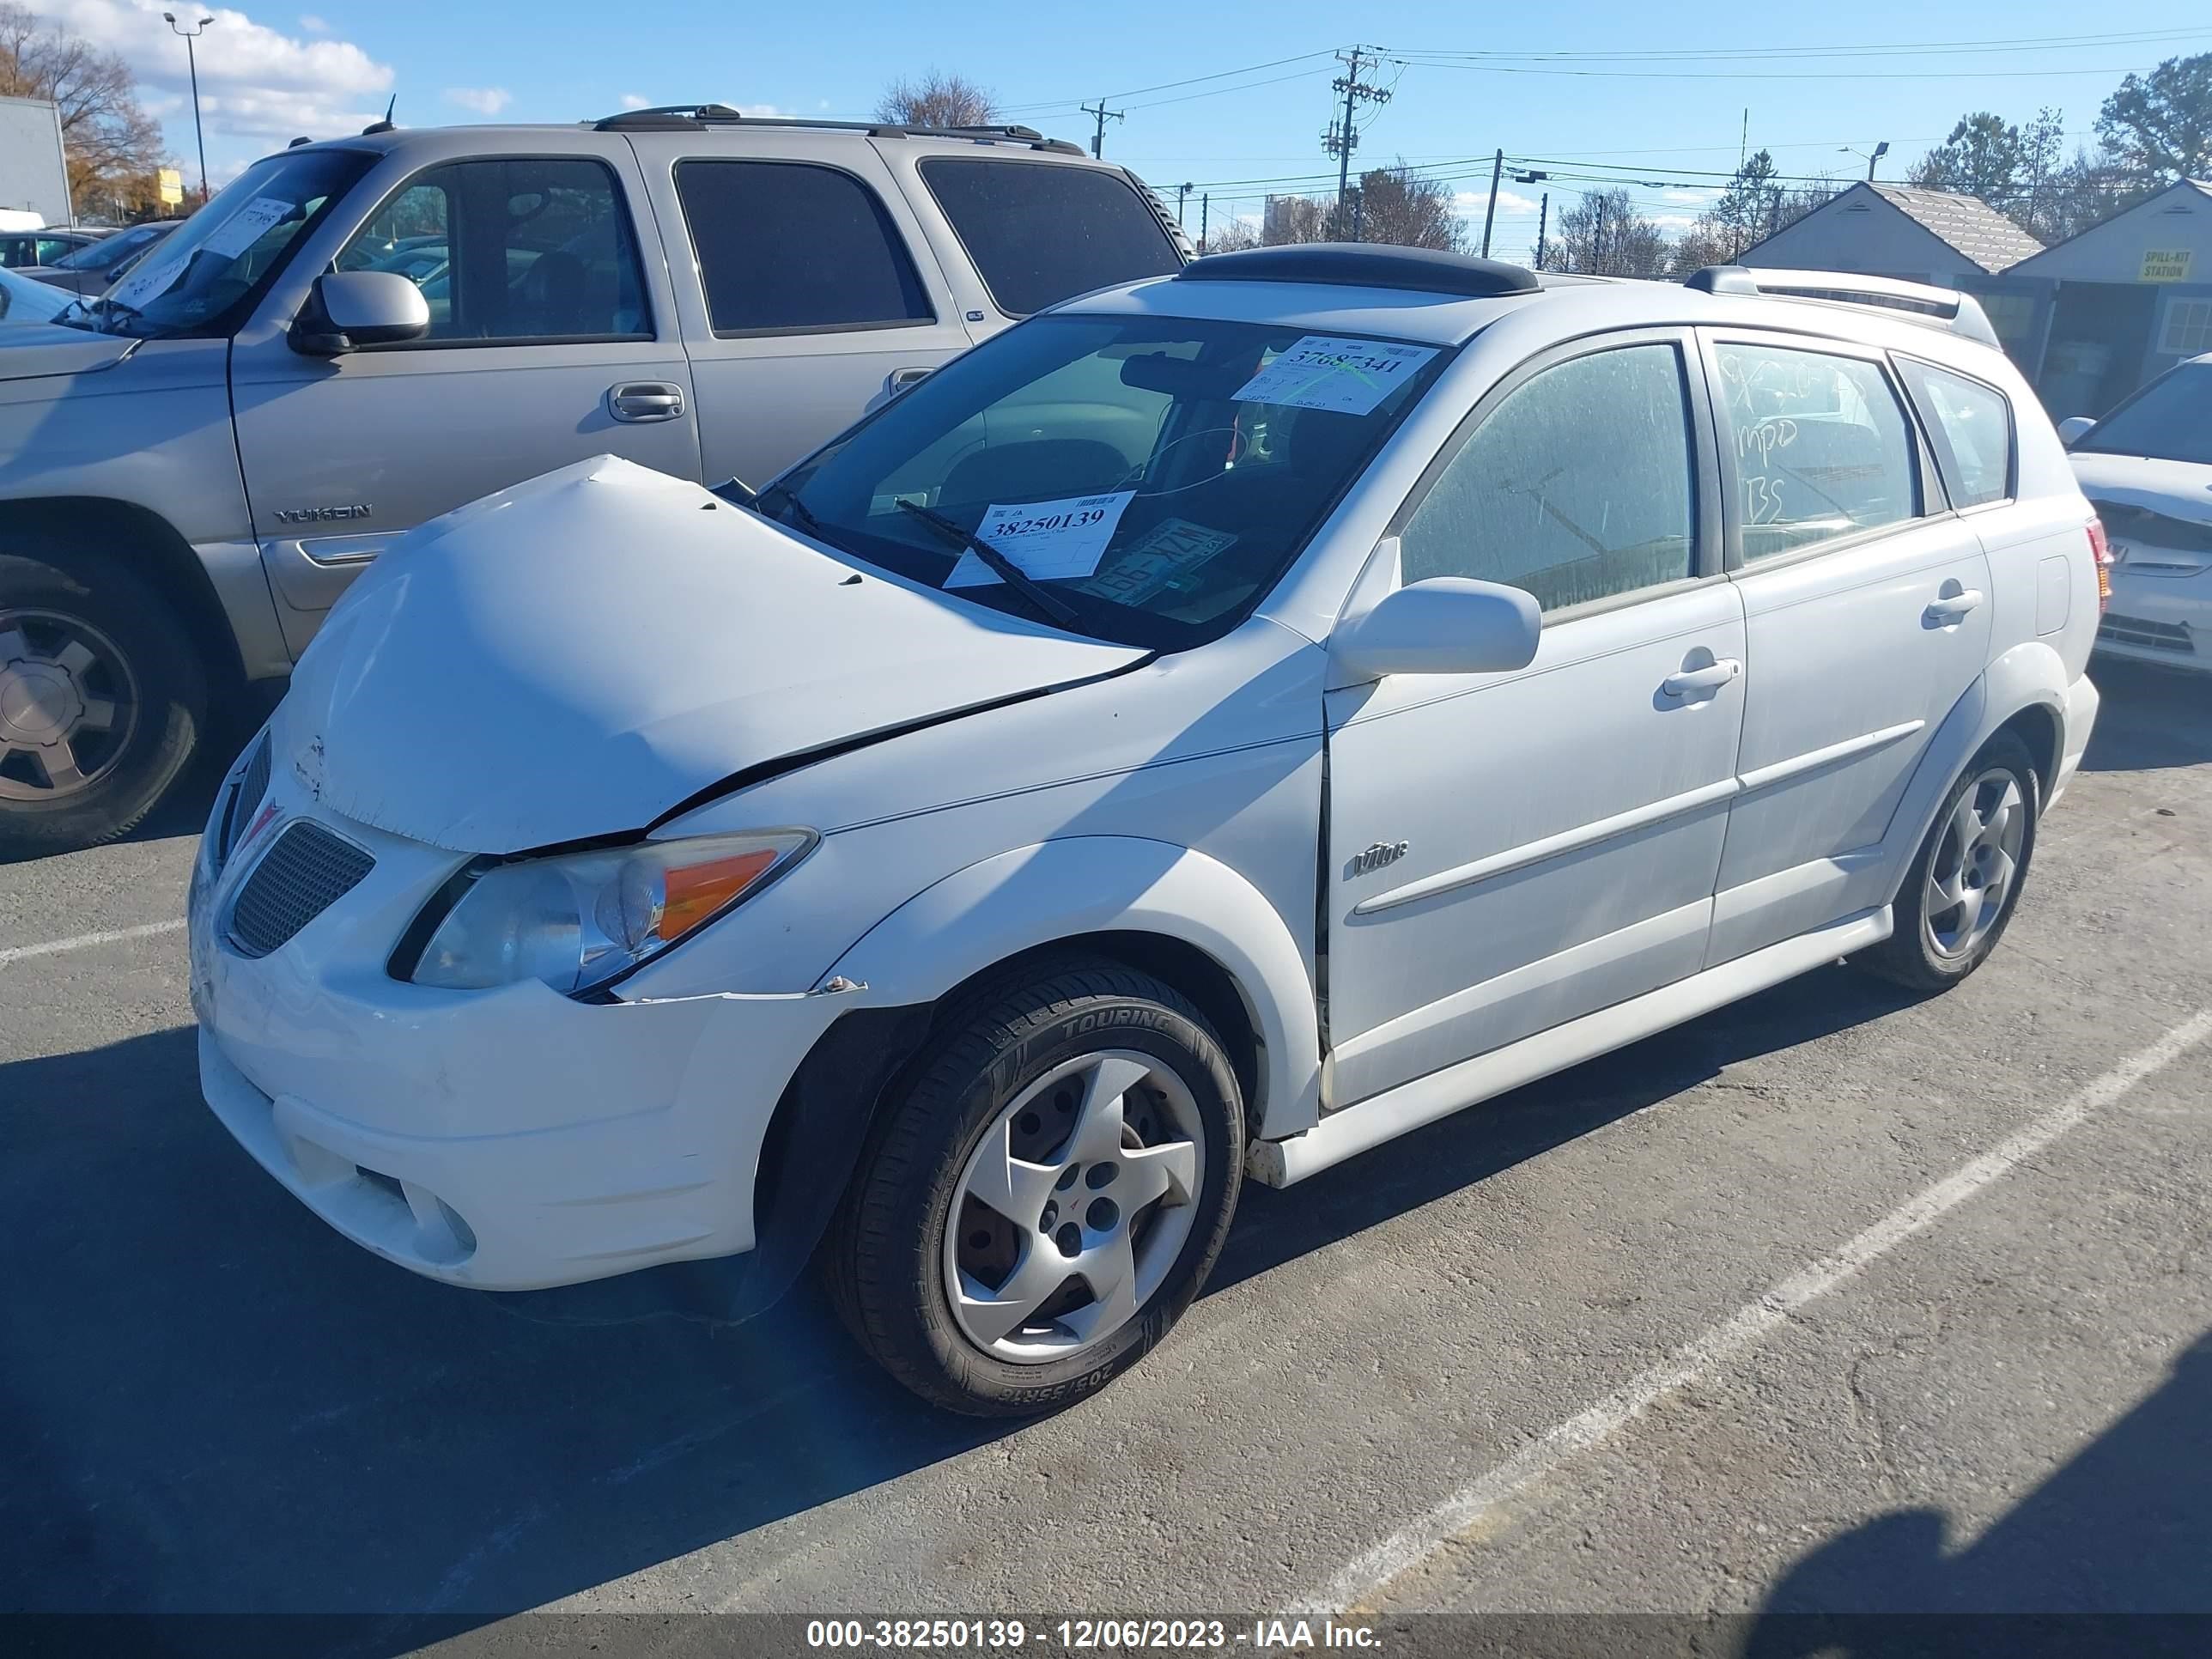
(1207, 730)
(2147, 468)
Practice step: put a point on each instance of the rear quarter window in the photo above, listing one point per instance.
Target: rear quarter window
(1042, 231)
(1972, 425)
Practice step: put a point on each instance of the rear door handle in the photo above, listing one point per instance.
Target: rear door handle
(645, 400)
(1711, 678)
(1941, 613)
(902, 378)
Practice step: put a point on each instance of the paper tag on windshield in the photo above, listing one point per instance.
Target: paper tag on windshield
(1167, 556)
(1347, 377)
(153, 277)
(243, 228)
(1052, 541)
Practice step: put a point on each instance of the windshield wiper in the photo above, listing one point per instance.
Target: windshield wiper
(786, 497)
(1054, 608)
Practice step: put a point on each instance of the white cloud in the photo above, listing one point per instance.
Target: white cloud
(255, 81)
(636, 101)
(484, 100)
(1478, 201)
(1693, 198)
(313, 24)
(1673, 221)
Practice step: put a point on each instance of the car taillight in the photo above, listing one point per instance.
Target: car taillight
(2100, 555)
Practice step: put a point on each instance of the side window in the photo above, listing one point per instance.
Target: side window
(512, 250)
(790, 246)
(1973, 427)
(1578, 486)
(1818, 444)
(1042, 231)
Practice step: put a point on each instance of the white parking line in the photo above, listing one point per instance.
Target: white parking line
(1368, 1574)
(85, 941)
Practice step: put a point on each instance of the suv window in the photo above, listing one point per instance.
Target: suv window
(1042, 231)
(790, 245)
(1972, 425)
(525, 249)
(1578, 486)
(1817, 445)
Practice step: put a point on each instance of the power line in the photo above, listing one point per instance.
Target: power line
(1913, 48)
(1169, 86)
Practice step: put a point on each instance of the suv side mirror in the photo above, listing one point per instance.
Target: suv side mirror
(1445, 625)
(2074, 429)
(349, 309)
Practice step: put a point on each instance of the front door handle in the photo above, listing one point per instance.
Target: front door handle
(1711, 677)
(902, 379)
(645, 400)
(1941, 613)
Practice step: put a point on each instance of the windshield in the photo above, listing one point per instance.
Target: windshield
(22, 301)
(2169, 420)
(223, 255)
(110, 251)
(1154, 475)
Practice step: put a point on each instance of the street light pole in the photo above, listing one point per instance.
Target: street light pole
(1880, 150)
(192, 65)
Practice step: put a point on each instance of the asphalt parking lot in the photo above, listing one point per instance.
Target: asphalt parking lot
(1836, 1300)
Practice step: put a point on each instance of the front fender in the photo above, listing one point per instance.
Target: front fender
(1065, 888)
(2030, 675)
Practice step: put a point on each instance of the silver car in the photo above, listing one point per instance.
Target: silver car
(357, 336)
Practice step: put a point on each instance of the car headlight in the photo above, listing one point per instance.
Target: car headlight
(576, 920)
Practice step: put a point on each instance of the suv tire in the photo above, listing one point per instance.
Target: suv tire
(1095, 1103)
(1965, 884)
(102, 704)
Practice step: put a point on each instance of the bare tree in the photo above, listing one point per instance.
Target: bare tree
(1294, 219)
(936, 99)
(1397, 206)
(1604, 236)
(112, 145)
(1233, 236)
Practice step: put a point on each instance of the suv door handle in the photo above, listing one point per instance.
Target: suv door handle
(903, 377)
(1941, 613)
(644, 400)
(1711, 678)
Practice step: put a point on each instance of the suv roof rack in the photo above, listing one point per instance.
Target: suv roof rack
(1915, 302)
(1365, 264)
(691, 117)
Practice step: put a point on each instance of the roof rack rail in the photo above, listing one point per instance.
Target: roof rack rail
(1915, 302)
(687, 118)
(1364, 265)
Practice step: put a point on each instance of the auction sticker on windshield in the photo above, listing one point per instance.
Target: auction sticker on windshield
(1346, 377)
(1052, 541)
(244, 227)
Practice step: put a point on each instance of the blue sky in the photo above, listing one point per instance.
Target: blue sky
(1581, 84)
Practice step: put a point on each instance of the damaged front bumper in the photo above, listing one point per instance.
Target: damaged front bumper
(505, 1139)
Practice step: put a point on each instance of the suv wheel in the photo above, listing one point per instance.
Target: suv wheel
(1964, 885)
(101, 703)
(1046, 1200)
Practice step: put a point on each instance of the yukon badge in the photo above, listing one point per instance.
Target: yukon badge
(322, 514)
(1382, 853)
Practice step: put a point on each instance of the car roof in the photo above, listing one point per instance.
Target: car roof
(495, 138)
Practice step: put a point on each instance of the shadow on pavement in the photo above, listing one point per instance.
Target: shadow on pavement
(2120, 1534)
(221, 1406)
(2149, 718)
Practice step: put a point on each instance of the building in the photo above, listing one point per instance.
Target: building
(32, 178)
(2109, 308)
(1898, 230)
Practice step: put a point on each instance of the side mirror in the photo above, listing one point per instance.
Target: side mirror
(2074, 429)
(349, 309)
(1445, 625)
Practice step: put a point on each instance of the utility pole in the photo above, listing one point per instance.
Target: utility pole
(1182, 193)
(1098, 136)
(1205, 206)
(1497, 166)
(1597, 241)
(1543, 223)
(1343, 134)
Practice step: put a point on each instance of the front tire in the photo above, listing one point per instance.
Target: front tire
(101, 701)
(1964, 883)
(1049, 1195)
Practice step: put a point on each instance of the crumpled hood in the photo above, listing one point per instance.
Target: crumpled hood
(28, 350)
(573, 657)
(2179, 489)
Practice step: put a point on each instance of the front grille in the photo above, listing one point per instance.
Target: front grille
(306, 872)
(2157, 635)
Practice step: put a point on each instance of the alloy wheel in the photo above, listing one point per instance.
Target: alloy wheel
(1975, 864)
(68, 705)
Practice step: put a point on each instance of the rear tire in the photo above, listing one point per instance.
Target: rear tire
(1966, 881)
(102, 702)
(1095, 1112)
